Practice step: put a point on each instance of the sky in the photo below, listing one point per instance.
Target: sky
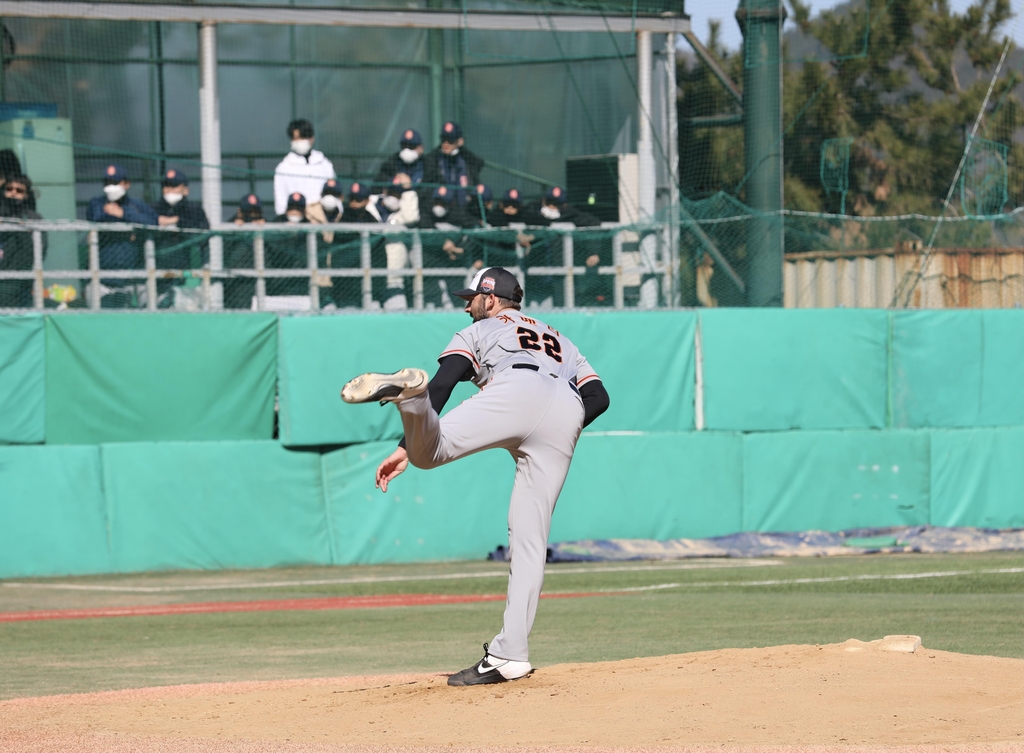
(703, 10)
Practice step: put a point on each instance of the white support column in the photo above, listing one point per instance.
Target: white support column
(94, 270)
(417, 266)
(37, 268)
(619, 295)
(570, 286)
(672, 253)
(645, 141)
(364, 263)
(209, 137)
(149, 251)
(259, 262)
(314, 271)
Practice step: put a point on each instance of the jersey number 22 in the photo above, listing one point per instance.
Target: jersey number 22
(528, 340)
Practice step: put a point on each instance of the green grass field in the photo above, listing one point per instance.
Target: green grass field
(966, 603)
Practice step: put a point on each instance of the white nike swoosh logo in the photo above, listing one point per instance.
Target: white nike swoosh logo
(483, 668)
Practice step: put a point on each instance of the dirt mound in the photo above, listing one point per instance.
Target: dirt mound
(850, 696)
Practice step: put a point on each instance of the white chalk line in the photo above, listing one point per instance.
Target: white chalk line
(387, 579)
(790, 581)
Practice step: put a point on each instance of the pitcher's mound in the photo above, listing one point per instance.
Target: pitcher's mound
(882, 695)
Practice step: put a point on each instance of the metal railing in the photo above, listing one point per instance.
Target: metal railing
(649, 263)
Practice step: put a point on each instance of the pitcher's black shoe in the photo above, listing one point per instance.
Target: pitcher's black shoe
(489, 670)
(385, 388)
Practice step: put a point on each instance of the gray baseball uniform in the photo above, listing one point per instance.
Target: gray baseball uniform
(529, 404)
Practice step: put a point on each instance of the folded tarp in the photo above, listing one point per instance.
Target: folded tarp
(924, 539)
(646, 360)
(53, 517)
(137, 378)
(958, 369)
(22, 379)
(775, 369)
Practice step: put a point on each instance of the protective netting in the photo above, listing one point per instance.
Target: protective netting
(896, 132)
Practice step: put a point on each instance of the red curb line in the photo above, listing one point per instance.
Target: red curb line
(270, 605)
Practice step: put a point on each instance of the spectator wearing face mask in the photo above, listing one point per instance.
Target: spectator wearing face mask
(554, 208)
(448, 246)
(328, 208)
(408, 160)
(238, 254)
(176, 210)
(361, 205)
(451, 163)
(16, 250)
(250, 210)
(399, 207)
(119, 250)
(480, 204)
(303, 170)
(288, 250)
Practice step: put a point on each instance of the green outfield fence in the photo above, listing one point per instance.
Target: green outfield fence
(139, 442)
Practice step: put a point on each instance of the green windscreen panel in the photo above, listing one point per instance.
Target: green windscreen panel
(645, 360)
(319, 354)
(834, 480)
(978, 477)
(22, 379)
(214, 505)
(457, 511)
(143, 377)
(52, 512)
(652, 486)
(775, 369)
(958, 369)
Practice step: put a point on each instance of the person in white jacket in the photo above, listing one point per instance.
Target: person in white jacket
(303, 170)
(403, 207)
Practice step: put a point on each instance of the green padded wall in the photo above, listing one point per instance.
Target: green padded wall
(958, 368)
(52, 512)
(646, 360)
(22, 379)
(213, 505)
(457, 511)
(775, 369)
(977, 478)
(833, 480)
(137, 377)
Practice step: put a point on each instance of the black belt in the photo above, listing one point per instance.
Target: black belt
(533, 367)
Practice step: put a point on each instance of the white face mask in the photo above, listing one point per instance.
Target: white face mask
(408, 156)
(114, 191)
(550, 212)
(173, 198)
(439, 211)
(329, 202)
(294, 218)
(302, 147)
(392, 202)
(453, 152)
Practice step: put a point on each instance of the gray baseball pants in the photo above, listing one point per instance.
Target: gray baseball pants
(537, 418)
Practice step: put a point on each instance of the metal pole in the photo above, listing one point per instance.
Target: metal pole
(364, 263)
(258, 262)
(619, 289)
(761, 23)
(149, 249)
(645, 141)
(417, 266)
(314, 272)
(209, 137)
(570, 287)
(94, 270)
(37, 267)
(672, 153)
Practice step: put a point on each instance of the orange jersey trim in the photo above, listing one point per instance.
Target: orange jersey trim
(588, 378)
(464, 352)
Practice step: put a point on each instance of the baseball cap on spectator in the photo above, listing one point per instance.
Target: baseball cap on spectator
(442, 194)
(114, 174)
(249, 202)
(512, 196)
(297, 201)
(451, 132)
(331, 188)
(494, 281)
(174, 178)
(484, 192)
(555, 195)
(411, 138)
(359, 191)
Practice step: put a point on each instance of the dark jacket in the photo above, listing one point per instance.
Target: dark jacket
(121, 250)
(17, 253)
(394, 165)
(182, 251)
(442, 169)
(531, 215)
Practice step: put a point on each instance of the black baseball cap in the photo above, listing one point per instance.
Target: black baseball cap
(493, 281)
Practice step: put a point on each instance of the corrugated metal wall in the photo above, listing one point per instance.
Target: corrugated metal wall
(953, 278)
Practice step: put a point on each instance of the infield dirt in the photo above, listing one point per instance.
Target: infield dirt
(842, 697)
